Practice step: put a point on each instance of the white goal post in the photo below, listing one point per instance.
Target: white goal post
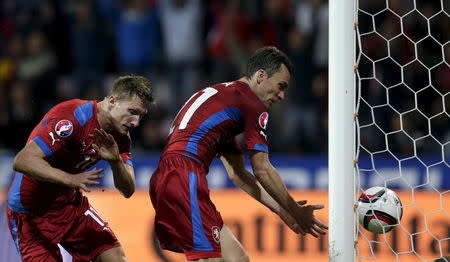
(389, 126)
(341, 101)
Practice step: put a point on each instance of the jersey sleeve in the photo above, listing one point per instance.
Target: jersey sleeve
(126, 158)
(124, 143)
(255, 136)
(56, 131)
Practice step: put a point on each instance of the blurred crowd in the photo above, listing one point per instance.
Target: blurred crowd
(404, 77)
(57, 50)
(51, 51)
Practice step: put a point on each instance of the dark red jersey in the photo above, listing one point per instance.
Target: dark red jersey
(63, 135)
(209, 121)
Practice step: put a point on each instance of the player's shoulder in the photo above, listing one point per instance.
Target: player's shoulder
(76, 109)
(243, 94)
(233, 91)
(232, 86)
(70, 104)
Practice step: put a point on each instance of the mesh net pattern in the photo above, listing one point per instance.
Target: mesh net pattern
(403, 123)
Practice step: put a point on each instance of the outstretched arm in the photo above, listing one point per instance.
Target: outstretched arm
(270, 179)
(107, 149)
(234, 164)
(31, 161)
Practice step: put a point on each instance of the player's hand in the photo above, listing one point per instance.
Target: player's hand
(307, 221)
(83, 180)
(290, 221)
(105, 145)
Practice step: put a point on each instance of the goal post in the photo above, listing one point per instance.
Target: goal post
(341, 131)
(389, 126)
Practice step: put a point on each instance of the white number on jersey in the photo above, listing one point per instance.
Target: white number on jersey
(91, 212)
(206, 93)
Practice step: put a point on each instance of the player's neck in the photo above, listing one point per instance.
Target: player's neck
(253, 86)
(245, 80)
(102, 114)
(249, 82)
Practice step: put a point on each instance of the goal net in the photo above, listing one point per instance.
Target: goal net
(403, 123)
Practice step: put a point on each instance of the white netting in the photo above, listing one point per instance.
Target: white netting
(403, 123)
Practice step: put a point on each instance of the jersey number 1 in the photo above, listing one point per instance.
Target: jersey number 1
(206, 93)
(92, 213)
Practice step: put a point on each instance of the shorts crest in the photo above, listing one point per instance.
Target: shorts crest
(215, 231)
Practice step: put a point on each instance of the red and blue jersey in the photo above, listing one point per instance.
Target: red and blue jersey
(63, 135)
(207, 124)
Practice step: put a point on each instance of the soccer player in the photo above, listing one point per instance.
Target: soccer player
(186, 220)
(45, 203)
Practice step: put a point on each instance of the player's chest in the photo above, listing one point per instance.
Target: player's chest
(78, 153)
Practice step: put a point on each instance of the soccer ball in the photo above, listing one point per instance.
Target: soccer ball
(379, 210)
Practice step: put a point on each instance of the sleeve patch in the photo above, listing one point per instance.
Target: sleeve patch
(84, 112)
(64, 128)
(263, 119)
(44, 123)
(129, 162)
(261, 147)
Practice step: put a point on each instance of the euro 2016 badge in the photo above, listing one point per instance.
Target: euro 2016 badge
(263, 119)
(64, 128)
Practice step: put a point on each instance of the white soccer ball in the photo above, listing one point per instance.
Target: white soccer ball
(379, 210)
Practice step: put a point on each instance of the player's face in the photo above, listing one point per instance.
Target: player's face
(126, 113)
(273, 89)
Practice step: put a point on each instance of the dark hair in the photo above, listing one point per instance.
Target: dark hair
(129, 86)
(268, 58)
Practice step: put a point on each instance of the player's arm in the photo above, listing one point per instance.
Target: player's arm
(233, 161)
(123, 174)
(271, 181)
(31, 161)
(234, 164)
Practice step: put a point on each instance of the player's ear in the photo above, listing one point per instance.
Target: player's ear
(112, 100)
(260, 75)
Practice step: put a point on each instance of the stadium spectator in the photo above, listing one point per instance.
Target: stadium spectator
(89, 35)
(300, 128)
(230, 36)
(228, 39)
(311, 17)
(181, 22)
(137, 34)
(54, 24)
(270, 25)
(10, 57)
(38, 67)
(21, 113)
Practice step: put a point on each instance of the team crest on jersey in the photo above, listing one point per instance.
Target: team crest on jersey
(263, 119)
(64, 128)
(215, 231)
